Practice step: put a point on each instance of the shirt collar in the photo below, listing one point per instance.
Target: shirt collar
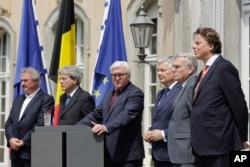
(172, 85)
(73, 92)
(185, 82)
(32, 94)
(212, 59)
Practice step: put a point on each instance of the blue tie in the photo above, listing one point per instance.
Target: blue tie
(163, 97)
(67, 100)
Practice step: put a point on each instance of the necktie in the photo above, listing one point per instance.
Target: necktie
(163, 97)
(203, 73)
(113, 99)
(67, 100)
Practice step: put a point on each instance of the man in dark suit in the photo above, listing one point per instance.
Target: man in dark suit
(27, 112)
(75, 103)
(219, 116)
(119, 117)
(157, 133)
(179, 135)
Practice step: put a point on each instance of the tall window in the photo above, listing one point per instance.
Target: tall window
(80, 48)
(245, 73)
(4, 94)
(150, 78)
(79, 42)
(153, 44)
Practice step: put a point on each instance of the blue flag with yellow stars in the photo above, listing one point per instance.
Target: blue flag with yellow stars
(111, 49)
(29, 49)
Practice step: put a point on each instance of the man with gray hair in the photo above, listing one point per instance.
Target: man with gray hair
(75, 103)
(179, 135)
(27, 112)
(119, 117)
(157, 133)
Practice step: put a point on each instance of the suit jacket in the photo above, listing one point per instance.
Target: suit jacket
(179, 135)
(124, 140)
(160, 119)
(220, 115)
(80, 104)
(33, 116)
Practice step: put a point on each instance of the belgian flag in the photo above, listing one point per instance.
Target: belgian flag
(64, 48)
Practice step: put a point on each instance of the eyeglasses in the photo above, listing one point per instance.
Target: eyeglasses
(118, 75)
(63, 78)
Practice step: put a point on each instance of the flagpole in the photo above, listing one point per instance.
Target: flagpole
(42, 55)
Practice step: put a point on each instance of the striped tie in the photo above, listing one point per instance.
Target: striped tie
(203, 73)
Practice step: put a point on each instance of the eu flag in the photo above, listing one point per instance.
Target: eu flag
(29, 49)
(111, 49)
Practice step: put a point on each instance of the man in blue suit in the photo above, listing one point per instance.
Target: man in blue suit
(119, 117)
(157, 133)
(219, 117)
(27, 112)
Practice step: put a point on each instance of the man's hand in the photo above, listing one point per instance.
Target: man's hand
(147, 136)
(15, 144)
(98, 128)
(156, 135)
(246, 145)
(152, 136)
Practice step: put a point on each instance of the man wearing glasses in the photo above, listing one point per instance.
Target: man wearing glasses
(119, 117)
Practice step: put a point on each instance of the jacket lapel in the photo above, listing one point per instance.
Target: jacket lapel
(106, 111)
(31, 103)
(208, 74)
(178, 97)
(122, 95)
(155, 111)
(71, 103)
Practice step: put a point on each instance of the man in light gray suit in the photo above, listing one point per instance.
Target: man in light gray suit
(179, 136)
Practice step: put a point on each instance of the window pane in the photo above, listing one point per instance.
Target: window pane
(3, 64)
(4, 43)
(154, 74)
(2, 107)
(154, 45)
(3, 52)
(153, 88)
(0, 45)
(79, 41)
(1, 154)
(155, 25)
(2, 138)
(249, 31)
(3, 88)
(249, 59)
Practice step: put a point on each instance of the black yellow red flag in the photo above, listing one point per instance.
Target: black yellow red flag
(64, 48)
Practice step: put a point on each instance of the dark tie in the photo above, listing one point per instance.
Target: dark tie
(67, 100)
(113, 99)
(203, 73)
(163, 97)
